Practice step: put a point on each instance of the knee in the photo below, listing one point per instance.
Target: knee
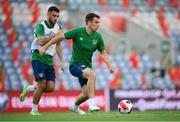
(88, 73)
(93, 75)
(50, 88)
(42, 86)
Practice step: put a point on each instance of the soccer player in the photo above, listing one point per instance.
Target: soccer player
(43, 64)
(86, 40)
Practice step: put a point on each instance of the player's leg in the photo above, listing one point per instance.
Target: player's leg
(40, 77)
(50, 85)
(76, 70)
(37, 96)
(91, 88)
(91, 76)
(50, 78)
(82, 97)
(26, 89)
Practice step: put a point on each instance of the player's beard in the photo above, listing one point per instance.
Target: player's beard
(52, 22)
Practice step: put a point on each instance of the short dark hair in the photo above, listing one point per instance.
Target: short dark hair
(90, 17)
(53, 8)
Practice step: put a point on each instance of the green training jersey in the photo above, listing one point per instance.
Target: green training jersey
(46, 30)
(84, 45)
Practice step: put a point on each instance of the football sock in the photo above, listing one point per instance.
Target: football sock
(92, 101)
(34, 107)
(76, 106)
(31, 88)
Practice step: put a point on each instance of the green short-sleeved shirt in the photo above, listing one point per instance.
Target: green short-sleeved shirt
(84, 45)
(39, 31)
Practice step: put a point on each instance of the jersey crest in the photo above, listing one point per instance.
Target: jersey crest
(81, 38)
(94, 42)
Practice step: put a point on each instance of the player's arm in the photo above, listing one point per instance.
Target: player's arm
(54, 40)
(104, 55)
(39, 32)
(59, 53)
(107, 61)
(68, 35)
(43, 40)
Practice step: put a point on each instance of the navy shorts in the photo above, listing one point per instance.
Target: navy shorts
(43, 71)
(76, 70)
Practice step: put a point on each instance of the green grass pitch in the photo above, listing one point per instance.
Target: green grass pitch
(155, 116)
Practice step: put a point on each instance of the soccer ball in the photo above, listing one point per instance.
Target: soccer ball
(125, 107)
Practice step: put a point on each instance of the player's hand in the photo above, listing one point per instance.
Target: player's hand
(42, 50)
(62, 66)
(59, 32)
